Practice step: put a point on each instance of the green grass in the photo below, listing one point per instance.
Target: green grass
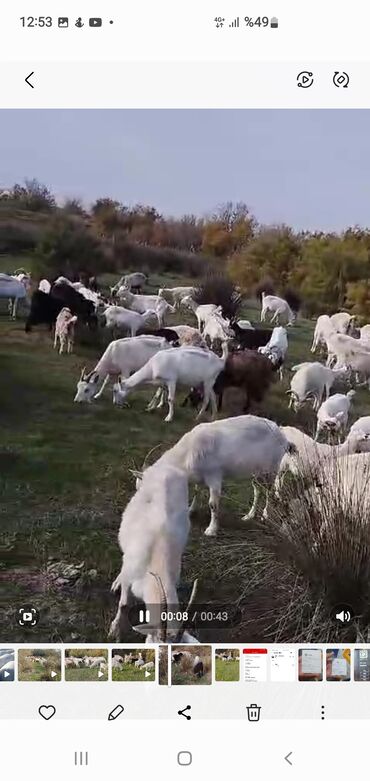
(65, 479)
(131, 673)
(84, 674)
(227, 671)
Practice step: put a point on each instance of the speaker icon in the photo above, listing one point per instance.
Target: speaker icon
(342, 614)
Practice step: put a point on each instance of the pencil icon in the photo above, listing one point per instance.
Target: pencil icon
(115, 712)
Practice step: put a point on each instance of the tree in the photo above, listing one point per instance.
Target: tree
(273, 252)
(33, 196)
(228, 230)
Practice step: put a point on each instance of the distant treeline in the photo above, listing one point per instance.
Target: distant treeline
(328, 271)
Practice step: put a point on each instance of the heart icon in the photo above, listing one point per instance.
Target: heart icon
(47, 711)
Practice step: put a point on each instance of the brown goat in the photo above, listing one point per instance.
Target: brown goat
(245, 369)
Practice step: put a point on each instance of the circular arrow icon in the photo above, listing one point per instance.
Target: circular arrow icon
(305, 79)
(341, 79)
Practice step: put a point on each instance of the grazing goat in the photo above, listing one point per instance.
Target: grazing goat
(244, 446)
(252, 338)
(202, 311)
(341, 348)
(122, 357)
(245, 369)
(119, 317)
(276, 349)
(217, 329)
(310, 382)
(175, 295)
(152, 537)
(359, 362)
(310, 456)
(279, 307)
(134, 281)
(361, 426)
(323, 328)
(333, 413)
(189, 366)
(141, 304)
(65, 330)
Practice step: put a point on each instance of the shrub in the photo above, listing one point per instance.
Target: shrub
(217, 288)
(293, 298)
(266, 285)
(312, 553)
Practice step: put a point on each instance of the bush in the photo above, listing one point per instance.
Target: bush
(312, 553)
(68, 248)
(293, 298)
(266, 285)
(217, 288)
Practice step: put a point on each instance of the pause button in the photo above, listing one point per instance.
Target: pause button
(81, 758)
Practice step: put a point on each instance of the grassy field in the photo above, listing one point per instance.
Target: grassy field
(65, 479)
(227, 671)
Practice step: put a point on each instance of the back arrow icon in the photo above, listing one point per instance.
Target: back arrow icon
(287, 758)
(28, 77)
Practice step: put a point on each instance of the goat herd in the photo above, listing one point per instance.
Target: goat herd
(155, 524)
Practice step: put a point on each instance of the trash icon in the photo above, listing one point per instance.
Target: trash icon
(253, 712)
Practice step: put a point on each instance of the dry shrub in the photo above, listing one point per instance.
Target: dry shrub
(311, 554)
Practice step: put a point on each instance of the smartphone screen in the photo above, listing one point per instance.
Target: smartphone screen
(184, 389)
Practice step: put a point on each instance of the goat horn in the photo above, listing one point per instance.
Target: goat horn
(83, 373)
(191, 600)
(163, 605)
(149, 454)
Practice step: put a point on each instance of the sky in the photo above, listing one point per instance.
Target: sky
(307, 168)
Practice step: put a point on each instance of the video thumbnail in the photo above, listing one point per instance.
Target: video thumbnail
(185, 418)
(39, 664)
(191, 665)
(7, 664)
(227, 665)
(86, 664)
(130, 664)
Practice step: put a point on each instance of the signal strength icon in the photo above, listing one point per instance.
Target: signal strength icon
(235, 23)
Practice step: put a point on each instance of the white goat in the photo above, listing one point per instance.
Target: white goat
(189, 366)
(310, 382)
(141, 304)
(202, 311)
(361, 426)
(152, 537)
(122, 357)
(175, 295)
(359, 362)
(135, 280)
(140, 661)
(365, 334)
(276, 348)
(119, 317)
(342, 322)
(341, 348)
(244, 447)
(333, 413)
(189, 336)
(217, 329)
(323, 328)
(310, 456)
(65, 330)
(279, 307)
